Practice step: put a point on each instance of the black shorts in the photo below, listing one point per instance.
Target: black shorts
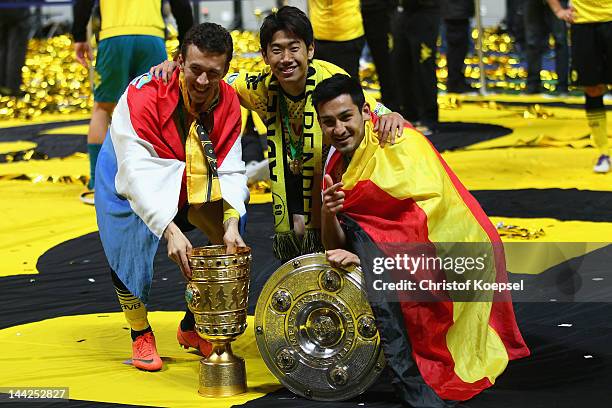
(181, 220)
(344, 54)
(591, 54)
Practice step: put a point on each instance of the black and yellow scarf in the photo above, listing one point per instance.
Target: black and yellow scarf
(200, 159)
(286, 244)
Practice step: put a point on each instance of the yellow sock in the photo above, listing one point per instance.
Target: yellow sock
(599, 130)
(134, 310)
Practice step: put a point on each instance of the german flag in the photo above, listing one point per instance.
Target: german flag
(439, 351)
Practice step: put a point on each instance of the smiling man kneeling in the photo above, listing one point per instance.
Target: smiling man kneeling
(377, 197)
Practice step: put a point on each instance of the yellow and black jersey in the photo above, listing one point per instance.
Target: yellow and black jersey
(335, 20)
(592, 11)
(130, 17)
(120, 17)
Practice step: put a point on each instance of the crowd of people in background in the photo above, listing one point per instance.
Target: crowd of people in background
(14, 34)
(167, 135)
(402, 38)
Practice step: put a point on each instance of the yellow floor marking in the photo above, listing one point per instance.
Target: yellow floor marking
(520, 168)
(86, 354)
(44, 118)
(67, 130)
(37, 217)
(17, 146)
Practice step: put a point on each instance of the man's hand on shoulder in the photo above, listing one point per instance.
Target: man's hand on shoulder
(232, 238)
(179, 248)
(341, 258)
(333, 199)
(164, 70)
(390, 127)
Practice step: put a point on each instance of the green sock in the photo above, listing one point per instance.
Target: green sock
(93, 150)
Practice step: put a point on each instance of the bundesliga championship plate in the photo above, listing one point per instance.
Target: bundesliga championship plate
(316, 332)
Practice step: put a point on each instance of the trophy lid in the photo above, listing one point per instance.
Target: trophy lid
(218, 251)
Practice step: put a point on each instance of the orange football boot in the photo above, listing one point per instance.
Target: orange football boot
(189, 338)
(144, 353)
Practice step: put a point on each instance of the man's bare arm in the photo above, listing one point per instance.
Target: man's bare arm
(179, 248)
(565, 14)
(82, 13)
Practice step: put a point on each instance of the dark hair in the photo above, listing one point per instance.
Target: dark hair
(287, 18)
(338, 84)
(209, 37)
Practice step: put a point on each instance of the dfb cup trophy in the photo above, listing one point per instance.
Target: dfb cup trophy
(217, 295)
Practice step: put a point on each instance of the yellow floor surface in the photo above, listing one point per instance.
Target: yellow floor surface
(37, 217)
(45, 118)
(538, 154)
(547, 149)
(82, 352)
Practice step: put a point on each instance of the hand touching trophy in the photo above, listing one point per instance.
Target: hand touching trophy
(217, 295)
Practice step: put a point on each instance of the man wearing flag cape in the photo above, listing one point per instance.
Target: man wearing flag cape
(378, 199)
(172, 163)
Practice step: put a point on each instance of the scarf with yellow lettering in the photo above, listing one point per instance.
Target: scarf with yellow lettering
(200, 159)
(286, 245)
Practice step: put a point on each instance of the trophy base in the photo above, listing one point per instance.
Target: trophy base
(222, 379)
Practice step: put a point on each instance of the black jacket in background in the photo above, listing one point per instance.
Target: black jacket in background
(420, 5)
(368, 5)
(457, 9)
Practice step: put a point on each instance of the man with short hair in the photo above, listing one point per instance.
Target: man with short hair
(281, 96)
(172, 163)
(591, 39)
(404, 197)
